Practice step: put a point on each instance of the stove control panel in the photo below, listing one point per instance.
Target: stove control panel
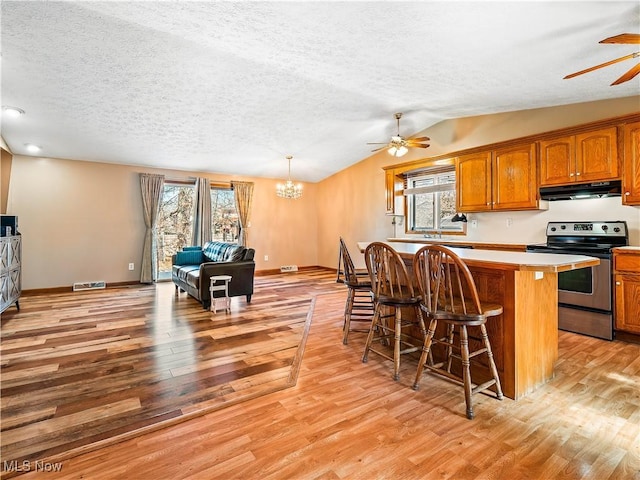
(592, 229)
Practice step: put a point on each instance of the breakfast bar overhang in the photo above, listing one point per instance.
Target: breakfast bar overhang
(525, 337)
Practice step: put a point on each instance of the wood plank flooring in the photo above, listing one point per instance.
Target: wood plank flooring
(348, 420)
(80, 369)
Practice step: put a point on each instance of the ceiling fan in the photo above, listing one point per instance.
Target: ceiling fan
(399, 145)
(625, 38)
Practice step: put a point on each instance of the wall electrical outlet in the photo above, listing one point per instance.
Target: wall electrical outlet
(266, 258)
(509, 222)
(474, 223)
(131, 266)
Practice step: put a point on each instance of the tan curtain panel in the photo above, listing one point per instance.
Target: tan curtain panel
(243, 193)
(151, 187)
(201, 227)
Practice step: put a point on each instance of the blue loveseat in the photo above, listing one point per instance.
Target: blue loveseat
(193, 268)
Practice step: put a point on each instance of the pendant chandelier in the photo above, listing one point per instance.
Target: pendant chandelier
(289, 189)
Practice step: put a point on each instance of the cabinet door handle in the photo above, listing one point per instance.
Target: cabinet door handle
(618, 283)
(627, 193)
(571, 174)
(578, 174)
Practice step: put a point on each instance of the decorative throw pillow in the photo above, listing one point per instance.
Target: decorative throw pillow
(190, 257)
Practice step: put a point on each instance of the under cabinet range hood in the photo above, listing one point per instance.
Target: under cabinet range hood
(577, 191)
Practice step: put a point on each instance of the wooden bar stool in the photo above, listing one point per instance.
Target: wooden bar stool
(359, 304)
(392, 289)
(449, 294)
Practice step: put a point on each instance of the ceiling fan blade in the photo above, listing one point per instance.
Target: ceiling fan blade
(623, 38)
(377, 143)
(419, 146)
(606, 64)
(632, 72)
(419, 139)
(378, 149)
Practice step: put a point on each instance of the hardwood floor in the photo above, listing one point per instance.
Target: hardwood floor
(343, 419)
(83, 368)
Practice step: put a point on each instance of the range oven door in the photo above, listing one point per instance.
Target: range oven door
(587, 287)
(584, 296)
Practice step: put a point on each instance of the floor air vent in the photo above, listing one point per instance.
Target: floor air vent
(79, 286)
(288, 268)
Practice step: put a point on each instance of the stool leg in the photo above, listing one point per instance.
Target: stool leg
(396, 346)
(374, 326)
(466, 372)
(492, 363)
(426, 352)
(450, 339)
(347, 315)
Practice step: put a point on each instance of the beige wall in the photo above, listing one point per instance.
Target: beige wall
(353, 202)
(82, 221)
(5, 176)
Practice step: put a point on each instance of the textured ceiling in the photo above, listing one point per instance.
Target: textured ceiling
(234, 87)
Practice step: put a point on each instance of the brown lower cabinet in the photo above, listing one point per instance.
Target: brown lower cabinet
(626, 274)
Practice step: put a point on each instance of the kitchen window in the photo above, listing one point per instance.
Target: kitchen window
(431, 202)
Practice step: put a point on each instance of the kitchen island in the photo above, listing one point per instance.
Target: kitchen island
(524, 338)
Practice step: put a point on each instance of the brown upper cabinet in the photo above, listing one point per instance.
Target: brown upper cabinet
(507, 175)
(585, 157)
(631, 170)
(389, 184)
(500, 179)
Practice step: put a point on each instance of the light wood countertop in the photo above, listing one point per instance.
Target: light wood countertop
(503, 260)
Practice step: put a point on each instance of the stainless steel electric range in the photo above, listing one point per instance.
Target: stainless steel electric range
(585, 295)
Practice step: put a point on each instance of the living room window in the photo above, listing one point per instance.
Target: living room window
(176, 219)
(224, 216)
(431, 201)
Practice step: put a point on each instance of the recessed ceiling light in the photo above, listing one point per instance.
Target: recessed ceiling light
(13, 111)
(32, 148)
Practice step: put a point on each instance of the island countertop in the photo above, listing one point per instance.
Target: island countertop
(504, 260)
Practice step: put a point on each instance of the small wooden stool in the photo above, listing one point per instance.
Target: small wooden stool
(222, 287)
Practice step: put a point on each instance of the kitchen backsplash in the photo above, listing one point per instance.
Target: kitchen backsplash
(528, 227)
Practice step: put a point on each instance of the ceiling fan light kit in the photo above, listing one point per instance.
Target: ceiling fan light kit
(623, 38)
(289, 189)
(399, 146)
